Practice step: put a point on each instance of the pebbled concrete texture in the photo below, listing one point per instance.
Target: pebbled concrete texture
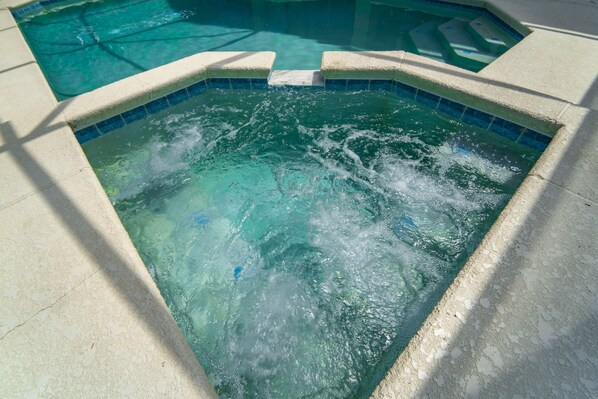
(571, 161)
(360, 64)
(580, 57)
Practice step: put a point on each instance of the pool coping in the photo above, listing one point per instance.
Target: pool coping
(544, 112)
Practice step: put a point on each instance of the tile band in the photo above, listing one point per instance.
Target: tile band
(510, 130)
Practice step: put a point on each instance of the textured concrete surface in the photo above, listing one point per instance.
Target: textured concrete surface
(360, 65)
(571, 161)
(564, 71)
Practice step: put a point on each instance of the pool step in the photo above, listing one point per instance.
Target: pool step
(296, 78)
(490, 35)
(425, 40)
(464, 50)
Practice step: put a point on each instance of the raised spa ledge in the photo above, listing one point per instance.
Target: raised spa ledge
(361, 64)
(113, 99)
(524, 107)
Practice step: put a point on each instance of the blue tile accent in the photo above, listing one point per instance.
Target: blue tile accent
(404, 90)
(87, 134)
(472, 116)
(357, 84)
(335, 84)
(507, 129)
(451, 108)
(281, 88)
(26, 9)
(240, 83)
(428, 99)
(47, 2)
(259, 84)
(535, 140)
(157, 105)
(177, 97)
(134, 114)
(477, 118)
(197, 88)
(110, 124)
(376, 84)
(219, 83)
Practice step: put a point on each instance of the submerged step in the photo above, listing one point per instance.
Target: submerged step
(296, 78)
(464, 50)
(425, 40)
(490, 35)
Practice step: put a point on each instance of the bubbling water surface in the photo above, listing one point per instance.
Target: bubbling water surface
(301, 237)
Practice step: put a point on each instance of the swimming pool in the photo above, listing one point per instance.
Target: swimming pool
(300, 237)
(81, 46)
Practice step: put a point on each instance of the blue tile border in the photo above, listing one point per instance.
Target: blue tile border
(110, 124)
(259, 84)
(358, 84)
(177, 97)
(378, 84)
(403, 90)
(451, 108)
(89, 133)
(469, 115)
(219, 83)
(24, 10)
(510, 130)
(240, 83)
(156, 105)
(533, 139)
(134, 114)
(197, 88)
(429, 99)
(507, 129)
(477, 118)
(335, 84)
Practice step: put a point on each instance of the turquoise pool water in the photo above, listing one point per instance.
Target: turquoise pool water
(81, 46)
(300, 238)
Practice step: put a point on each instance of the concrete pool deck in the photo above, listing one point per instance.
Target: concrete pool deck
(80, 315)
